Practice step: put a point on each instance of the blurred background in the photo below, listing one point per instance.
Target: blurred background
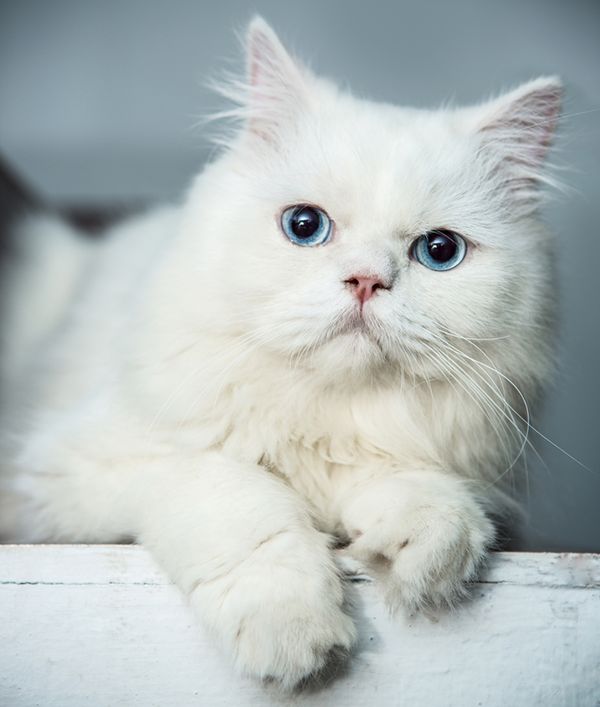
(98, 102)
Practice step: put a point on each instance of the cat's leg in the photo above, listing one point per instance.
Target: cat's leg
(240, 544)
(236, 539)
(422, 534)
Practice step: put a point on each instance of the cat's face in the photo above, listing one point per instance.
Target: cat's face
(359, 235)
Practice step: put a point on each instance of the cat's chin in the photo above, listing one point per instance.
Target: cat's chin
(354, 352)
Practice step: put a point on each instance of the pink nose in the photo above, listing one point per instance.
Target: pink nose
(365, 286)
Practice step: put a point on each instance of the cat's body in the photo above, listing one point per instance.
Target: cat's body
(199, 383)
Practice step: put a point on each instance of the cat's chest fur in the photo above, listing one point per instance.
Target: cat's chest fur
(321, 439)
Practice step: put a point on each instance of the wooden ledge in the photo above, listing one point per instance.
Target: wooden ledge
(101, 625)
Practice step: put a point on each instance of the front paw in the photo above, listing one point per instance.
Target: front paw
(422, 535)
(283, 622)
(290, 639)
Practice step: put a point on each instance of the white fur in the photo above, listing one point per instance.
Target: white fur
(195, 381)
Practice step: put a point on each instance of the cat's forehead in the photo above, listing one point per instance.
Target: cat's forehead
(361, 160)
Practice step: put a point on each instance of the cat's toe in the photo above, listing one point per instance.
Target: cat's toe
(292, 648)
(424, 557)
(434, 572)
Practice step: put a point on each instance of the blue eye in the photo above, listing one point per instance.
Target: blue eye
(439, 249)
(306, 225)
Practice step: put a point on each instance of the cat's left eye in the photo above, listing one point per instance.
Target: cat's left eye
(306, 225)
(440, 249)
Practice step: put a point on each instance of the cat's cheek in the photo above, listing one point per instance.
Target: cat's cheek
(468, 301)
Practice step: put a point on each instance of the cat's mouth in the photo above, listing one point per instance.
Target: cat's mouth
(357, 324)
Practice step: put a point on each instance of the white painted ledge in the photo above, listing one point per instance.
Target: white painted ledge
(101, 626)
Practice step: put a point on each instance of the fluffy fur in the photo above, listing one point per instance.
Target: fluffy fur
(200, 384)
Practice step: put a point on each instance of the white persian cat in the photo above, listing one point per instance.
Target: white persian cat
(333, 337)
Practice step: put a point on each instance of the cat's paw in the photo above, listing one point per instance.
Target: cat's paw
(291, 639)
(284, 622)
(422, 535)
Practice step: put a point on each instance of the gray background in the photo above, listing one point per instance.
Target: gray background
(98, 100)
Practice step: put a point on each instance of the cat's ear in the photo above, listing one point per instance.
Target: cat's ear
(277, 85)
(516, 131)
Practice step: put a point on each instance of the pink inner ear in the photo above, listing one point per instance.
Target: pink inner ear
(524, 126)
(530, 126)
(516, 132)
(253, 71)
(267, 58)
(276, 86)
(259, 50)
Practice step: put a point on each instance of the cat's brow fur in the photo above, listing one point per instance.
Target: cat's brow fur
(195, 381)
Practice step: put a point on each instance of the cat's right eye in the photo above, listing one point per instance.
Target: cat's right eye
(306, 225)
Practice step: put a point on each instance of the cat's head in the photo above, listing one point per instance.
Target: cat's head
(347, 235)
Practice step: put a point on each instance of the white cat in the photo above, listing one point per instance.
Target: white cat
(335, 335)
